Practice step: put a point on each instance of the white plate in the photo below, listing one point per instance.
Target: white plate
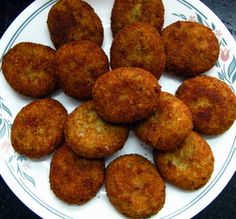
(29, 179)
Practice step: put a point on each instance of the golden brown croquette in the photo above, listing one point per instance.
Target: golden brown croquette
(126, 12)
(168, 126)
(134, 187)
(70, 20)
(80, 63)
(139, 45)
(75, 179)
(125, 95)
(38, 128)
(189, 166)
(212, 103)
(30, 69)
(191, 48)
(90, 136)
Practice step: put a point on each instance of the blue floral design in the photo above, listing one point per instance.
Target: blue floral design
(5, 130)
(5, 124)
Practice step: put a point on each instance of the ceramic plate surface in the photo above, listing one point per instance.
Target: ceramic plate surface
(29, 179)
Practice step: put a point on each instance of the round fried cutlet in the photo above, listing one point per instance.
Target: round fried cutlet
(134, 187)
(75, 179)
(70, 20)
(38, 128)
(80, 63)
(212, 103)
(139, 45)
(125, 95)
(126, 12)
(189, 166)
(30, 69)
(168, 126)
(191, 48)
(90, 136)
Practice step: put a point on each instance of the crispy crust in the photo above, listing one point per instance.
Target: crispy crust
(191, 48)
(30, 69)
(168, 126)
(75, 179)
(70, 20)
(80, 63)
(38, 128)
(89, 136)
(123, 95)
(134, 186)
(139, 45)
(126, 12)
(189, 166)
(212, 103)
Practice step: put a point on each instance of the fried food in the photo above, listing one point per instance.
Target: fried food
(38, 128)
(191, 48)
(89, 136)
(80, 63)
(125, 95)
(75, 179)
(134, 187)
(189, 166)
(168, 126)
(139, 45)
(212, 103)
(70, 20)
(126, 12)
(30, 69)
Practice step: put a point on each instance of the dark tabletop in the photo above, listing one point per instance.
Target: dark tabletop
(224, 206)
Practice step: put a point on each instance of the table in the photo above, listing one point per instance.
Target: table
(224, 206)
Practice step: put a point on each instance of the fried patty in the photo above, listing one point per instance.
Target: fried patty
(70, 20)
(80, 63)
(75, 179)
(30, 69)
(168, 126)
(134, 187)
(191, 48)
(126, 12)
(125, 95)
(38, 128)
(212, 103)
(139, 45)
(189, 166)
(90, 136)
